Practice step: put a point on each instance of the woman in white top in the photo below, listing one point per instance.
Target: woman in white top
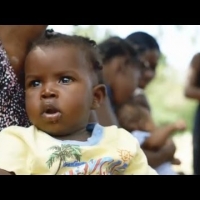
(149, 53)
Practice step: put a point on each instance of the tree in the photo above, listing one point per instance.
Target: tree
(62, 153)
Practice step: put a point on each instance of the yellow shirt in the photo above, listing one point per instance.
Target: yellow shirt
(109, 151)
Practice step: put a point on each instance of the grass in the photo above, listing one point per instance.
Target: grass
(166, 96)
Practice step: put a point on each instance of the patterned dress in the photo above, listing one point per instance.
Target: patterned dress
(12, 99)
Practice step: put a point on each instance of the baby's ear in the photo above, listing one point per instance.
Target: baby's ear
(99, 93)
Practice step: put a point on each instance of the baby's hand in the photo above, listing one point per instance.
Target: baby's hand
(180, 125)
(175, 161)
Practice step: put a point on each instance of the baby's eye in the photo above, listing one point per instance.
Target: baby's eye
(66, 80)
(35, 83)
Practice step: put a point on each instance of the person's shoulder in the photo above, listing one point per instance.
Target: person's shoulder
(18, 128)
(195, 62)
(17, 131)
(119, 132)
(125, 135)
(197, 55)
(121, 136)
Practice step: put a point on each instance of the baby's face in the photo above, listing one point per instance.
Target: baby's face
(126, 120)
(59, 90)
(131, 120)
(150, 59)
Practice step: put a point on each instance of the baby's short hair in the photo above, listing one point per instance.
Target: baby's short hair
(51, 38)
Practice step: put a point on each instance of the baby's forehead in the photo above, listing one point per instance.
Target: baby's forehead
(72, 50)
(66, 56)
(59, 53)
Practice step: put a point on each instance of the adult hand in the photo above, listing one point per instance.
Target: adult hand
(175, 161)
(169, 148)
(180, 125)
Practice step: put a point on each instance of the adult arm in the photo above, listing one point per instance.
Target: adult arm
(165, 154)
(16, 40)
(3, 172)
(159, 136)
(106, 115)
(192, 89)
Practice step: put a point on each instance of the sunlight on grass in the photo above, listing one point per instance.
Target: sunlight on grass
(166, 96)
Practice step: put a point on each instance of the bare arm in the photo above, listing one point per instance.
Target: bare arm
(155, 159)
(16, 40)
(192, 89)
(160, 136)
(165, 154)
(106, 115)
(3, 172)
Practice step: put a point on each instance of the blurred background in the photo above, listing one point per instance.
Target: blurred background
(178, 44)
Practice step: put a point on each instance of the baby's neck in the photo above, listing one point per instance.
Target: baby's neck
(81, 135)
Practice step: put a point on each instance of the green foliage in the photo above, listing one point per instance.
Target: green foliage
(166, 96)
(63, 152)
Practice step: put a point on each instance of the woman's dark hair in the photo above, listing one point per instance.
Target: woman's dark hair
(142, 42)
(116, 46)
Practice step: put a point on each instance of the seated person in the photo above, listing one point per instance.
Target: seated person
(120, 74)
(137, 120)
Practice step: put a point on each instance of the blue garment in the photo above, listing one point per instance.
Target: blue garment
(164, 168)
(96, 131)
(110, 96)
(196, 142)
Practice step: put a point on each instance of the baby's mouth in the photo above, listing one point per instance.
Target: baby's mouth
(51, 114)
(51, 110)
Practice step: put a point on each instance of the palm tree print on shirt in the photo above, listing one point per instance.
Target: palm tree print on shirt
(62, 153)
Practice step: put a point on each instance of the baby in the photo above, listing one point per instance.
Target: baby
(137, 120)
(62, 88)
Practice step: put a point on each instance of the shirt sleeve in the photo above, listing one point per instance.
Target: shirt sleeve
(141, 136)
(138, 165)
(13, 152)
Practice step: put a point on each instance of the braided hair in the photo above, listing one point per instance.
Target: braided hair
(116, 46)
(89, 47)
(142, 42)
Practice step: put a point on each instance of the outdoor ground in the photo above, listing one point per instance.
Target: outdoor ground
(184, 153)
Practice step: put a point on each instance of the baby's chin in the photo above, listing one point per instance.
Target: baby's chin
(54, 130)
